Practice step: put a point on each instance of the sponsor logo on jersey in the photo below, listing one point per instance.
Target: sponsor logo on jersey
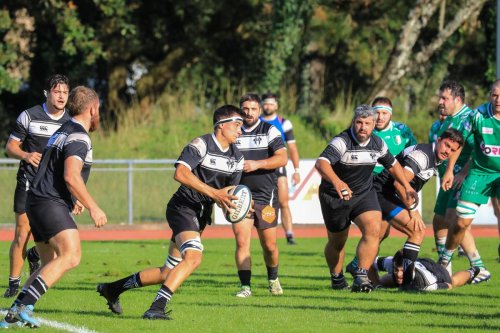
(487, 130)
(44, 128)
(490, 150)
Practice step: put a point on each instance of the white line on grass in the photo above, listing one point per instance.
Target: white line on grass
(58, 325)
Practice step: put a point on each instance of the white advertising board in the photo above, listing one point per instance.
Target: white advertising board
(304, 202)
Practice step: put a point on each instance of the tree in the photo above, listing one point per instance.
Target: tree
(404, 58)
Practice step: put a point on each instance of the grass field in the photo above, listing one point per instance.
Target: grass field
(206, 302)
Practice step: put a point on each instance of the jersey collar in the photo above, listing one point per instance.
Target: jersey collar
(388, 128)
(218, 144)
(44, 106)
(462, 109)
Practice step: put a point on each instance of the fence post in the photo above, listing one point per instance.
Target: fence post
(130, 192)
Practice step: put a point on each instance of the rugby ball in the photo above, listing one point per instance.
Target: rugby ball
(235, 215)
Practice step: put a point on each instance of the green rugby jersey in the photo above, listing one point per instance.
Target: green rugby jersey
(485, 129)
(397, 136)
(458, 121)
(434, 130)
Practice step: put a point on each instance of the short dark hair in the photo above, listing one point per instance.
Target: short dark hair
(456, 89)
(382, 100)
(226, 111)
(56, 79)
(397, 259)
(250, 97)
(453, 135)
(269, 95)
(79, 99)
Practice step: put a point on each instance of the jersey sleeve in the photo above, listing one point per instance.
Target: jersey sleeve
(288, 131)
(193, 153)
(386, 159)
(334, 151)
(21, 127)
(77, 145)
(275, 139)
(416, 161)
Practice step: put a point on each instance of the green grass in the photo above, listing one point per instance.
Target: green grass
(206, 302)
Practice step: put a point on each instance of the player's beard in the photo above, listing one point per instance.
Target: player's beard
(268, 112)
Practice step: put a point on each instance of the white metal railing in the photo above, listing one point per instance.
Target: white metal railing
(129, 166)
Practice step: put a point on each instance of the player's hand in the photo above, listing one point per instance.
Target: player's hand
(223, 199)
(251, 211)
(295, 178)
(447, 181)
(249, 165)
(343, 190)
(416, 222)
(78, 208)
(412, 196)
(98, 217)
(33, 158)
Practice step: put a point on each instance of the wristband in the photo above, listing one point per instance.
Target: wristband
(297, 170)
(413, 207)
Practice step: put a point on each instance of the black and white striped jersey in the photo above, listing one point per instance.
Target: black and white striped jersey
(212, 165)
(420, 159)
(71, 139)
(260, 142)
(424, 274)
(33, 128)
(354, 162)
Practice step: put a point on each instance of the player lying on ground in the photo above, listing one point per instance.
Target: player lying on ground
(421, 275)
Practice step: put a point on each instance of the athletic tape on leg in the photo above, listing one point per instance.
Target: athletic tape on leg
(191, 244)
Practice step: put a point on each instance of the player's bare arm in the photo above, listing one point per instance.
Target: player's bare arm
(294, 157)
(398, 174)
(326, 171)
(221, 196)
(447, 180)
(416, 222)
(14, 150)
(77, 188)
(279, 159)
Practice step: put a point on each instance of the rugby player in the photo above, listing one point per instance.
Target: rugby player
(26, 142)
(423, 274)
(451, 99)
(346, 194)
(208, 167)
(397, 136)
(483, 179)
(57, 190)
(264, 152)
(270, 107)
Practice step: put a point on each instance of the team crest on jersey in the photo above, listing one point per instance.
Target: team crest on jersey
(257, 140)
(354, 157)
(398, 139)
(230, 163)
(373, 155)
(212, 161)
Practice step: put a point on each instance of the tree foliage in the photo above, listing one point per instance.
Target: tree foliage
(318, 52)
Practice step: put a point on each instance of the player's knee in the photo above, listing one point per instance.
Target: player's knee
(466, 210)
(73, 260)
(191, 245)
(172, 261)
(270, 246)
